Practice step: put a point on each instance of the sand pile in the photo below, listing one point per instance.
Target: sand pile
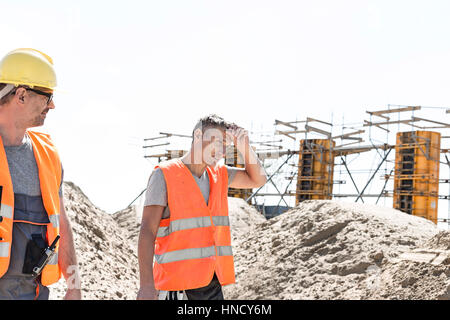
(107, 252)
(336, 250)
(106, 244)
(421, 273)
(129, 220)
(318, 250)
(243, 218)
(440, 241)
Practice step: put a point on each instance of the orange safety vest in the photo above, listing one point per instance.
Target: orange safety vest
(195, 241)
(49, 167)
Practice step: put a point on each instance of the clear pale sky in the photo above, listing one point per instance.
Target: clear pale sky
(130, 69)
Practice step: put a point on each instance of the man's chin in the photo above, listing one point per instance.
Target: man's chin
(38, 123)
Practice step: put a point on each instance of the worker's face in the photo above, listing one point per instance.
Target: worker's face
(213, 145)
(34, 107)
(39, 108)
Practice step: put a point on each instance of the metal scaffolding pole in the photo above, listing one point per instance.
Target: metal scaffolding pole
(351, 177)
(384, 187)
(376, 170)
(270, 178)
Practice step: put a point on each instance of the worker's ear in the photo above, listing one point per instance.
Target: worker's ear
(20, 95)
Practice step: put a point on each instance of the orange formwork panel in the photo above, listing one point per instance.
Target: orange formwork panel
(315, 170)
(416, 179)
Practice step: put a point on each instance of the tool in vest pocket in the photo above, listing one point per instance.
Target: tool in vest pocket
(48, 253)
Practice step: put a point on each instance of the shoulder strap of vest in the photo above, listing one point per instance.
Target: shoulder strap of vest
(44, 140)
(46, 150)
(219, 169)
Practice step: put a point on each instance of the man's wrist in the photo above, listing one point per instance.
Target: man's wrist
(73, 279)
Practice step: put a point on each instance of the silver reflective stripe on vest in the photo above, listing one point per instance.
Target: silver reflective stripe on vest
(194, 253)
(192, 223)
(4, 249)
(162, 232)
(224, 251)
(185, 254)
(6, 211)
(221, 220)
(54, 219)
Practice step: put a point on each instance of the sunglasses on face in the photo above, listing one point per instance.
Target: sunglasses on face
(48, 95)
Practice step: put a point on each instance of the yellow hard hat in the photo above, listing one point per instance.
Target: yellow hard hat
(28, 67)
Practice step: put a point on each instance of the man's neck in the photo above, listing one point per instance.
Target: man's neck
(11, 136)
(196, 169)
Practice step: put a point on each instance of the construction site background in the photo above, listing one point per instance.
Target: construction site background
(398, 156)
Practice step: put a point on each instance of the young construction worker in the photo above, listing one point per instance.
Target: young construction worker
(185, 226)
(32, 212)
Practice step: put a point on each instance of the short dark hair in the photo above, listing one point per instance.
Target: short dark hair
(213, 121)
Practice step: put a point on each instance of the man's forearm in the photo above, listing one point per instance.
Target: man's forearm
(145, 254)
(67, 257)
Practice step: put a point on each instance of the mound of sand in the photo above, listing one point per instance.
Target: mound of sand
(318, 250)
(337, 250)
(106, 244)
(440, 241)
(106, 252)
(243, 218)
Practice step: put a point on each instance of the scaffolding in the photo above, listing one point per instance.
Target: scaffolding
(168, 153)
(416, 179)
(303, 158)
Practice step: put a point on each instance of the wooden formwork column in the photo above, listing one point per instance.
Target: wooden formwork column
(416, 180)
(315, 170)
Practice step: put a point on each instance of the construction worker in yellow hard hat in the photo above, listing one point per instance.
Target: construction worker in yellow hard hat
(36, 241)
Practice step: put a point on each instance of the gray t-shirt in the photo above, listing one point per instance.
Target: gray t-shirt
(28, 206)
(23, 169)
(156, 193)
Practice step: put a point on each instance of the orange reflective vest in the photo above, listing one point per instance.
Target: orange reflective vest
(195, 241)
(49, 167)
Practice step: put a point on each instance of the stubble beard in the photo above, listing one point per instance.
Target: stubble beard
(39, 119)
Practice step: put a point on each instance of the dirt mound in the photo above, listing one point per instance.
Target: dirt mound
(318, 250)
(440, 241)
(106, 244)
(421, 273)
(129, 220)
(243, 218)
(106, 251)
(336, 250)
